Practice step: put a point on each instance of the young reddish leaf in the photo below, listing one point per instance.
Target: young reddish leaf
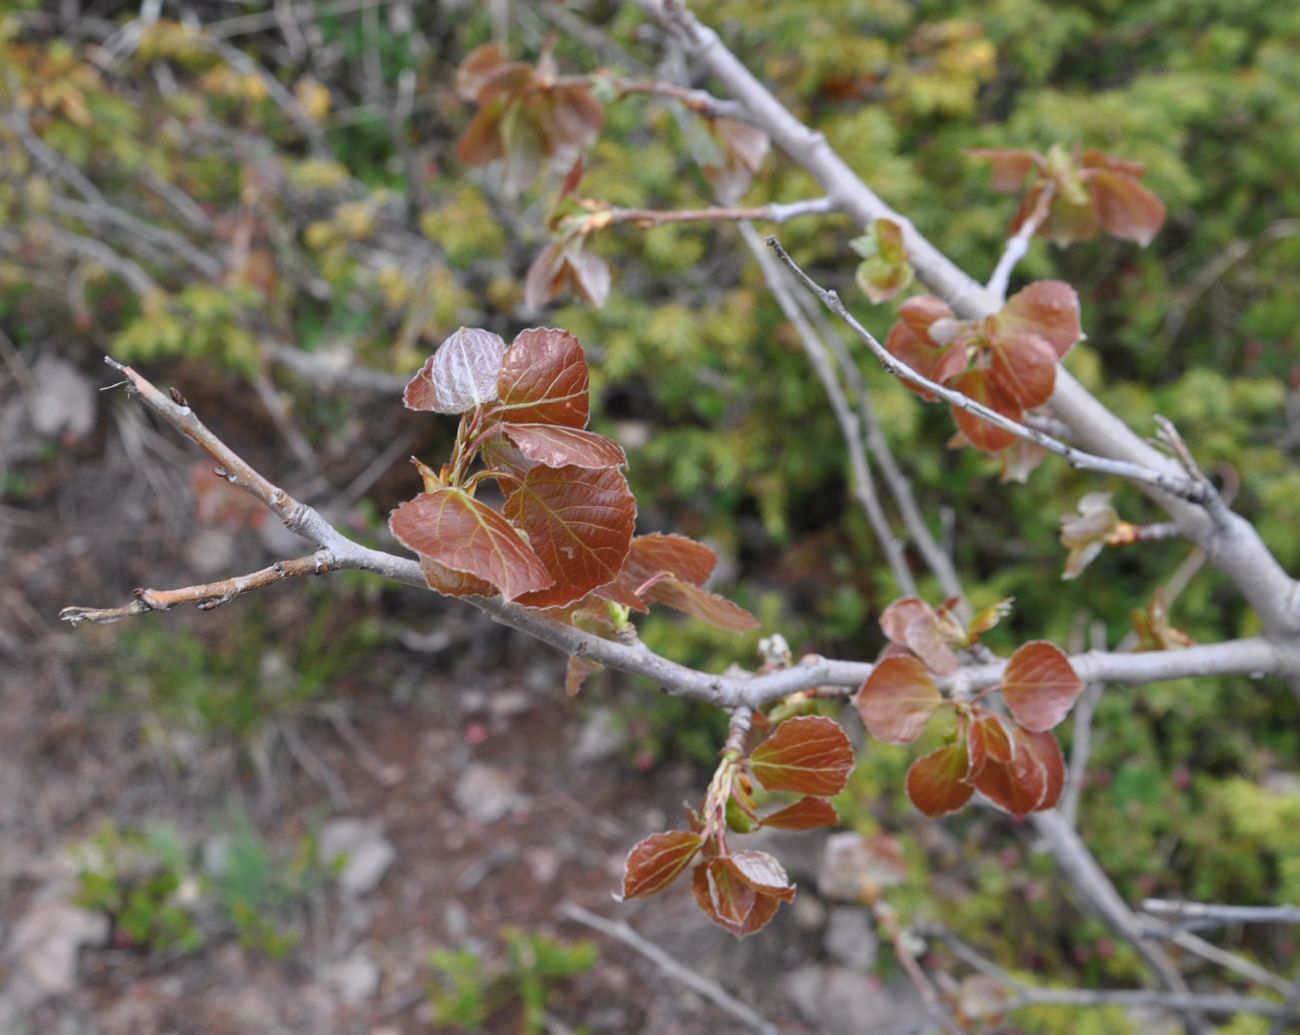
(547, 277)
(898, 699)
(1023, 368)
(1069, 219)
(571, 120)
(804, 814)
(676, 554)
(764, 907)
(590, 275)
(544, 379)
(1039, 686)
(988, 741)
(557, 446)
(576, 674)
(1020, 785)
(762, 872)
(1044, 747)
(935, 781)
(668, 570)
(499, 455)
(898, 617)
(579, 522)
(928, 639)
(1047, 308)
(914, 624)
(911, 341)
(655, 862)
(979, 432)
(700, 603)
(454, 583)
(1009, 168)
(807, 754)
(732, 898)
(458, 532)
(462, 374)
(480, 65)
(480, 144)
(1127, 210)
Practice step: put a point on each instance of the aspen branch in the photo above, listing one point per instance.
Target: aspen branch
(1189, 915)
(834, 677)
(1194, 490)
(646, 218)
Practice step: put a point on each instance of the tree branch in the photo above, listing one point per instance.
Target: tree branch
(1189, 915)
(683, 975)
(774, 212)
(1188, 488)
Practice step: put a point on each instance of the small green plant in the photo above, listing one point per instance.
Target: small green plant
(468, 990)
(149, 883)
(258, 893)
(141, 880)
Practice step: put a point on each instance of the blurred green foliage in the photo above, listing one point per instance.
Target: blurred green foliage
(159, 899)
(468, 989)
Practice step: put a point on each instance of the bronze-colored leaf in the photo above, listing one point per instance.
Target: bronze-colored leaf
(807, 754)
(911, 341)
(805, 814)
(988, 438)
(935, 781)
(1040, 686)
(988, 740)
(898, 699)
(1008, 167)
(655, 862)
(1047, 308)
(762, 872)
(1019, 786)
(700, 603)
(763, 908)
(557, 446)
(544, 379)
(1126, 209)
(1023, 368)
(579, 522)
(465, 535)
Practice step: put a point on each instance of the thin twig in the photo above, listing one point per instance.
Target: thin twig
(1184, 488)
(1086, 876)
(775, 212)
(205, 597)
(887, 921)
(680, 973)
(1198, 915)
